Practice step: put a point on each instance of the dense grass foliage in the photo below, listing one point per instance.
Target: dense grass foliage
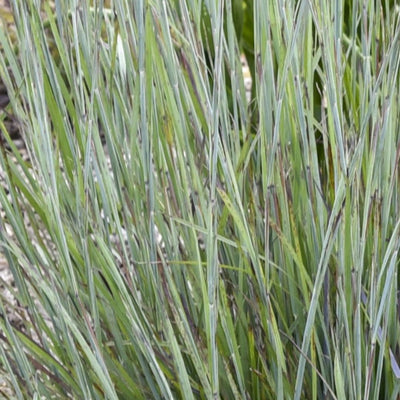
(167, 238)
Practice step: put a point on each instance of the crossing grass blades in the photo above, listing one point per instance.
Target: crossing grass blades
(169, 238)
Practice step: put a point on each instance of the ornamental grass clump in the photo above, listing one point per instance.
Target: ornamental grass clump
(167, 237)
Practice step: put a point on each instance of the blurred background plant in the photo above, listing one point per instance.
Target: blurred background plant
(169, 239)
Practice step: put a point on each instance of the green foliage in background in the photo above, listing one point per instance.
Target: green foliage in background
(170, 240)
